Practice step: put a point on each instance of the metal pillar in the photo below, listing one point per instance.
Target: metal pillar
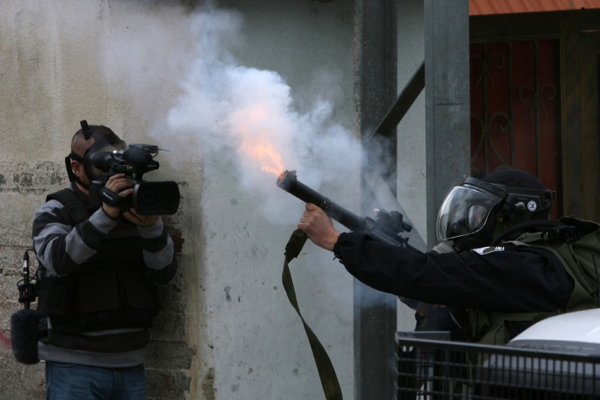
(375, 312)
(447, 99)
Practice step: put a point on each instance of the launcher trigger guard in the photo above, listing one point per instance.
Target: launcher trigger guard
(109, 197)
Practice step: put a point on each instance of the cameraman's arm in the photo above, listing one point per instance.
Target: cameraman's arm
(158, 249)
(121, 186)
(61, 247)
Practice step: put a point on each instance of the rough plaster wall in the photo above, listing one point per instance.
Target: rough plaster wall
(226, 330)
(55, 70)
(256, 342)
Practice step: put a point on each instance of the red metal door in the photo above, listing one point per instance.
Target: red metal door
(515, 109)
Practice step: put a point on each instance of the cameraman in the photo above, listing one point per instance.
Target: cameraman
(98, 276)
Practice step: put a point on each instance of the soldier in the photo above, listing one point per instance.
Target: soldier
(509, 266)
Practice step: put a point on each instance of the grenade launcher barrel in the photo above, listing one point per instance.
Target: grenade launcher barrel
(289, 182)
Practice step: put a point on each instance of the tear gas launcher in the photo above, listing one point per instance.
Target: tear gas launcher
(386, 227)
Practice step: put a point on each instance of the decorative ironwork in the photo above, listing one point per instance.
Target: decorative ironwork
(486, 140)
(484, 74)
(536, 94)
(504, 74)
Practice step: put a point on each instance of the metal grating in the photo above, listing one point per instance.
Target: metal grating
(437, 369)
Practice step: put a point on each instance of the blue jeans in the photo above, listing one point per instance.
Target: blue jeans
(81, 382)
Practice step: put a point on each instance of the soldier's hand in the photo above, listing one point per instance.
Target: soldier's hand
(318, 227)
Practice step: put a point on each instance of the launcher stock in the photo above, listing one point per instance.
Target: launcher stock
(386, 227)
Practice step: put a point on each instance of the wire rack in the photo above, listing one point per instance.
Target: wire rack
(430, 369)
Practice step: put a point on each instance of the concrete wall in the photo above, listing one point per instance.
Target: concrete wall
(227, 330)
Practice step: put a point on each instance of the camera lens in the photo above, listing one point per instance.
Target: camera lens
(155, 198)
(149, 198)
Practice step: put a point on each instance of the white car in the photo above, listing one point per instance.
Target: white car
(575, 332)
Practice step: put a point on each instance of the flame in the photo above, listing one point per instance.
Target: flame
(270, 160)
(255, 139)
(265, 155)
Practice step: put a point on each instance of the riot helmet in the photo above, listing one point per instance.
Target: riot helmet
(473, 213)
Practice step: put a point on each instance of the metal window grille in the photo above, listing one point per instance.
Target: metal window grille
(437, 369)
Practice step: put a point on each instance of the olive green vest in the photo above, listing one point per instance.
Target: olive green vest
(580, 261)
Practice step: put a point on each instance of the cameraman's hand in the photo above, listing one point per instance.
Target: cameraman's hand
(318, 226)
(140, 220)
(120, 185)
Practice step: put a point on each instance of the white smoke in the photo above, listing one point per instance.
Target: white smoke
(200, 99)
(231, 108)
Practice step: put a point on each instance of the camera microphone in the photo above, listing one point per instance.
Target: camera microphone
(24, 323)
(24, 336)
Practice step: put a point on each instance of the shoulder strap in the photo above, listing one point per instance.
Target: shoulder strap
(526, 227)
(584, 226)
(329, 381)
(72, 203)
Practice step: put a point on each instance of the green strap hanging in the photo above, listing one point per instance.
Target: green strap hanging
(329, 381)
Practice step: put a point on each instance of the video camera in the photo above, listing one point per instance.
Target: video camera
(148, 198)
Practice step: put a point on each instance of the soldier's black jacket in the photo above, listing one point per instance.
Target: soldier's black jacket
(506, 278)
(89, 262)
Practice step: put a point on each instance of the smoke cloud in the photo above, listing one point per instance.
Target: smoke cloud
(250, 113)
(219, 107)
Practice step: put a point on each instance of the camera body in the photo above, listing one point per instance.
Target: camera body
(148, 198)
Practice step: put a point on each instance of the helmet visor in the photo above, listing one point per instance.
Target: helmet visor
(464, 211)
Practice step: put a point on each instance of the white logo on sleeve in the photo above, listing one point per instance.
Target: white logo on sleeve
(487, 250)
(532, 206)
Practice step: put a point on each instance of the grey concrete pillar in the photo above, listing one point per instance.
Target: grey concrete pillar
(447, 101)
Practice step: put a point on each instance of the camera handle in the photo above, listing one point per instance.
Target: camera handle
(109, 197)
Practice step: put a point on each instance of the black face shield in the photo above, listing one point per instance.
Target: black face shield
(466, 210)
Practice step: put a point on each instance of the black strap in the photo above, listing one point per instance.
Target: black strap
(529, 226)
(329, 381)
